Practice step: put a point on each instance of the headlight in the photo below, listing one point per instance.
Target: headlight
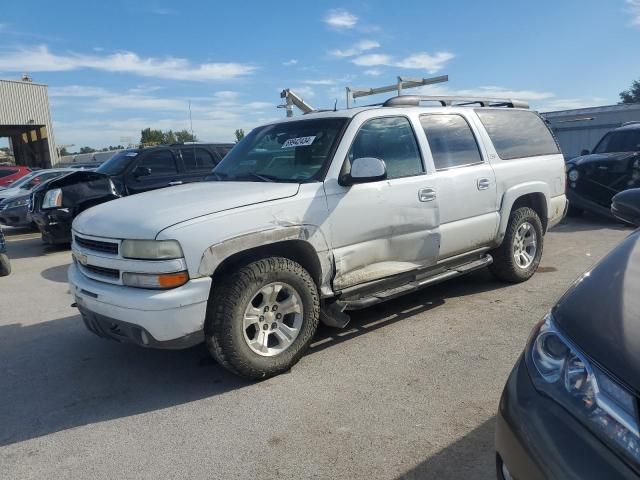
(151, 249)
(52, 199)
(155, 280)
(561, 371)
(17, 203)
(574, 175)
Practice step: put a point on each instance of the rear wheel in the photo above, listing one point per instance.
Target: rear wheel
(262, 318)
(517, 259)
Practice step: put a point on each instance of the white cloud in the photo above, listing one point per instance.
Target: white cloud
(163, 11)
(487, 91)
(372, 59)
(226, 95)
(421, 61)
(40, 59)
(424, 61)
(357, 49)
(320, 82)
(289, 63)
(340, 19)
(373, 72)
(633, 7)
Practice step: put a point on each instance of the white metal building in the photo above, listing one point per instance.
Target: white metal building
(582, 128)
(25, 118)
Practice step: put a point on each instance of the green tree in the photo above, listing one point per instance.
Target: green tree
(168, 137)
(185, 136)
(239, 133)
(151, 137)
(63, 151)
(632, 95)
(87, 150)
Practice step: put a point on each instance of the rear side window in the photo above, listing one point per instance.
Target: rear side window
(451, 141)
(390, 139)
(160, 162)
(197, 159)
(517, 133)
(6, 172)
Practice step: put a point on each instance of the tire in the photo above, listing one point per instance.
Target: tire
(5, 265)
(574, 211)
(251, 351)
(506, 266)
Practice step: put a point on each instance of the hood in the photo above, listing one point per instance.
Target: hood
(144, 215)
(23, 196)
(597, 158)
(601, 313)
(12, 192)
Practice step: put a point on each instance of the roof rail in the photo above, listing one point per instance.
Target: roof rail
(632, 122)
(448, 101)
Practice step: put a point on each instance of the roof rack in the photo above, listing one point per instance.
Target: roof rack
(449, 101)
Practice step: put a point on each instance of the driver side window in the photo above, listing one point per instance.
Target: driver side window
(390, 139)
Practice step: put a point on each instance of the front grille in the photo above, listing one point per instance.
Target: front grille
(97, 246)
(103, 272)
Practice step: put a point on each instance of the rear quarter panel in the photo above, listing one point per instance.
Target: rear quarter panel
(517, 177)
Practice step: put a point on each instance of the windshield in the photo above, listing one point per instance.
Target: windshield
(620, 141)
(24, 180)
(285, 152)
(118, 163)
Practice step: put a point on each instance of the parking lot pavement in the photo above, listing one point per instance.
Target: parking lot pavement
(409, 390)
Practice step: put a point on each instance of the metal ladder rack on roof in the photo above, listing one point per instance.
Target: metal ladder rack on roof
(454, 101)
(402, 84)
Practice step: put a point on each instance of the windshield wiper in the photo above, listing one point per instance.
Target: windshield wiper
(260, 176)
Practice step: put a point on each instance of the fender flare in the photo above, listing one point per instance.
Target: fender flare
(512, 194)
(213, 256)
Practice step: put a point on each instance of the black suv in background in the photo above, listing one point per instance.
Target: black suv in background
(128, 172)
(613, 166)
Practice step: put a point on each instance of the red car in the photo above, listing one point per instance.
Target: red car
(9, 175)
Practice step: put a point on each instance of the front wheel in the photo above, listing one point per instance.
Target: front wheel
(262, 318)
(5, 265)
(518, 257)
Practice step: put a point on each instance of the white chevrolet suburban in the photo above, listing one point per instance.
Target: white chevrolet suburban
(313, 216)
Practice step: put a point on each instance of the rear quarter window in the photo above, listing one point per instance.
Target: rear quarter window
(517, 133)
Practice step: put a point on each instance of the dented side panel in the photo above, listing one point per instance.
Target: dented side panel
(207, 241)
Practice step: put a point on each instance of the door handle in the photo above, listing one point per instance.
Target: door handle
(483, 184)
(426, 194)
(174, 183)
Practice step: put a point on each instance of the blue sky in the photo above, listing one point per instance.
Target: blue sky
(115, 67)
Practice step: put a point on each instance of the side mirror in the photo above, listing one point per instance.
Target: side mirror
(365, 170)
(625, 206)
(141, 172)
(584, 151)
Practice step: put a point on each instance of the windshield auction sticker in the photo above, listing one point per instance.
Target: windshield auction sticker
(298, 142)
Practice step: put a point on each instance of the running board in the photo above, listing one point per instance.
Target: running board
(417, 284)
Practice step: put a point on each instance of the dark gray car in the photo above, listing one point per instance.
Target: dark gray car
(570, 406)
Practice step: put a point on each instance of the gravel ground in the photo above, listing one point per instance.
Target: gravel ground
(408, 390)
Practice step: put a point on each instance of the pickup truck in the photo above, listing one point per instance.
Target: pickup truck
(310, 217)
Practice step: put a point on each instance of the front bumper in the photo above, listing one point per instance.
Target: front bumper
(153, 318)
(536, 438)
(15, 217)
(55, 225)
(583, 203)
